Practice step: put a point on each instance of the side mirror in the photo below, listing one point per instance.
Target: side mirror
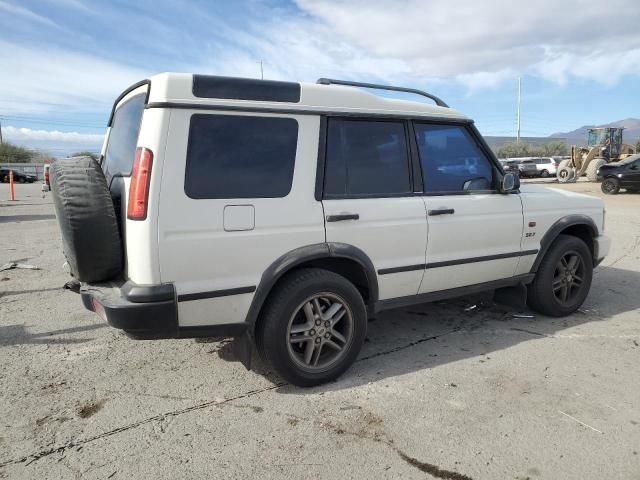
(510, 183)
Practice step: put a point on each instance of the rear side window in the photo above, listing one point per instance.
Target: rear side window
(451, 159)
(123, 137)
(237, 156)
(366, 158)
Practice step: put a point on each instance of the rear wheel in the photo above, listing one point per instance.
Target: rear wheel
(544, 173)
(610, 186)
(313, 327)
(563, 279)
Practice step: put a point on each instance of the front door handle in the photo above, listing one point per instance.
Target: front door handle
(441, 211)
(343, 217)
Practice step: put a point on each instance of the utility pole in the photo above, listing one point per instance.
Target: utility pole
(0, 132)
(518, 111)
(261, 71)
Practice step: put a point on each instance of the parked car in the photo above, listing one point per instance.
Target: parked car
(547, 166)
(528, 168)
(623, 174)
(288, 214)
(18, 177)
(510, 166)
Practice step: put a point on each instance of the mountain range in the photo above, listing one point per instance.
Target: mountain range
(579, 135)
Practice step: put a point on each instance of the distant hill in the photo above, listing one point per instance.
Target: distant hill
(579, 135)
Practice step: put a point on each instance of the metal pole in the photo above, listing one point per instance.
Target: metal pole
(261, 71)
(0, 132)
(518, 111)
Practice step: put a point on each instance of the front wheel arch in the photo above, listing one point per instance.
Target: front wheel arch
(580, 226)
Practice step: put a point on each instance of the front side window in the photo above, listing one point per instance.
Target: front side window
(366, 158)
(451, 160)
(238, 156)
(123, 137)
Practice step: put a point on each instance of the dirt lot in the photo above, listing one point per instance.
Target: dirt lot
(438, 392)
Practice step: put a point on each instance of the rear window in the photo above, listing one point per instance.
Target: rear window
(237, 156)
(121, 149)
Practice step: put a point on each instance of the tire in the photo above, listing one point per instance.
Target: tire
(544, 173)
(566, 174)
(287, 315)
(542, 297)
(610, 186)
(90, 234)
(593, 167)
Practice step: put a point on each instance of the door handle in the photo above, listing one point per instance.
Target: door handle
(343, 216)
(441, 211)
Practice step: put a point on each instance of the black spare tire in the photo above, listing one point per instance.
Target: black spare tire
(90, 234)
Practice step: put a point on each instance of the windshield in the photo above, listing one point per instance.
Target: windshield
(123, 137)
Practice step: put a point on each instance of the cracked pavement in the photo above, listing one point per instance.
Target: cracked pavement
(438, 392)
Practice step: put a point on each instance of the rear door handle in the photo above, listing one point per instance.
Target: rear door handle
(441, 211)
(342, 217)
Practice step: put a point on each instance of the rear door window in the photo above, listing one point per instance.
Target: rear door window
(238, 156)
(366, 158)
(123, 138)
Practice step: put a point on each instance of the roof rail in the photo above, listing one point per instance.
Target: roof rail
(331, 81)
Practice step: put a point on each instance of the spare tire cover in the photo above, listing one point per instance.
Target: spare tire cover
(90, 234)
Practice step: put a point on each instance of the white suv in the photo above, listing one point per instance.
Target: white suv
(287, 214)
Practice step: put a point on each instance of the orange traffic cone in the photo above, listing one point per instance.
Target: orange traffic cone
(12, 193)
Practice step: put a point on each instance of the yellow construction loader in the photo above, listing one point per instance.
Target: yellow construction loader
(604, 145)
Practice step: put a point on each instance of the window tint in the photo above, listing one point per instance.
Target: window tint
(366, 158)
(451, 160)
(233, 156)
(123, 137)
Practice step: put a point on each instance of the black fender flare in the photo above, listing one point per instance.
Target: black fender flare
(296, 257)
(556, 229)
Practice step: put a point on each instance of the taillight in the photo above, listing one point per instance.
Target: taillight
(139, 187)
(46, 177)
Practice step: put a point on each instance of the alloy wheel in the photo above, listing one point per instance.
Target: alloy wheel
(568, 278)
(320, 331)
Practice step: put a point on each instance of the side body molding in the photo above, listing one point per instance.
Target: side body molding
(305, 254)
(557, 228)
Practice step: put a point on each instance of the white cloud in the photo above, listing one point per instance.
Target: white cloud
(42, 78)
(26, 134)
(479, 42)
(27, 14)
(59, 144)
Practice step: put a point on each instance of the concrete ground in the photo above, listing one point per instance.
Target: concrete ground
(438, 391)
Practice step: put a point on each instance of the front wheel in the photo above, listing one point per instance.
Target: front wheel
(544, 173)
(610, 186)
(313, 327)
(563, 279)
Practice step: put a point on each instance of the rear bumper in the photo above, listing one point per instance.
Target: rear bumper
(147, 312)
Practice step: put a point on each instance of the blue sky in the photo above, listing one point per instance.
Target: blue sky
(63, 62)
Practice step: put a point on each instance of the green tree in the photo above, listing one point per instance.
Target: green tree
(85, 153)
(638, 146)
(554, 148)
(10, 153)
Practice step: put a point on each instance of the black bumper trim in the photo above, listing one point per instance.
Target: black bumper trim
(124, 307)
(187, 297)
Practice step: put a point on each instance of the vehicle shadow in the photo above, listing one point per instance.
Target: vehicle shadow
(26, 218)
(11, 335)
(424, 336)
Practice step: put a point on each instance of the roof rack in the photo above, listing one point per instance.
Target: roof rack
(331, 81)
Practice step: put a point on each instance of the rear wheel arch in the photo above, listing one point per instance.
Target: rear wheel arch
(580, 226)
(343, 259)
